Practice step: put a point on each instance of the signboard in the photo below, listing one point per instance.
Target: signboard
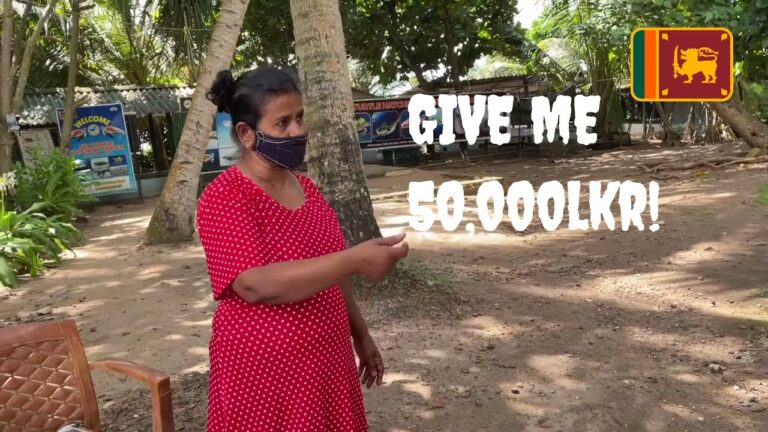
(384, 123)
(221, 151)
(225, 140)
(32, 140)
(100, 145)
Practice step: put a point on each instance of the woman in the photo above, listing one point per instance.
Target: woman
(281, 349)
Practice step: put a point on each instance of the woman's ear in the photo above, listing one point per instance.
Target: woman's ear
(246, 134)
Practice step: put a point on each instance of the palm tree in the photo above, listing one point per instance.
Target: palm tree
(335, 160)
(15, 66)
(580, 38)
(173, 218)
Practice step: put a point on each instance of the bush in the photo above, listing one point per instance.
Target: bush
(30, 240)
(51, 180)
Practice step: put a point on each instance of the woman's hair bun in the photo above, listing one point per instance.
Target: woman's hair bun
(223, 90)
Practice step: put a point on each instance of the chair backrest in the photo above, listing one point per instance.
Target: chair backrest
(45, 380)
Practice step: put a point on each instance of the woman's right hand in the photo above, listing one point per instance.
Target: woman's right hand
(376, 257)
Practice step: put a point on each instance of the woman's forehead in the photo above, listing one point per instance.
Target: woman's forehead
(284, 104)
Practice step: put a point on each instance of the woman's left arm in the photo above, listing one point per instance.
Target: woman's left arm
(371, 367)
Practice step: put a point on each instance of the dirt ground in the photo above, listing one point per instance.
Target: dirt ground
(563, 331)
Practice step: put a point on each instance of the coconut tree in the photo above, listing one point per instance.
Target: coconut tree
(586, 41)
(16, 64)
(173, 218)
(335, 160)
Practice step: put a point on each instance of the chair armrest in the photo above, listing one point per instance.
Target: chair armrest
(159, 384)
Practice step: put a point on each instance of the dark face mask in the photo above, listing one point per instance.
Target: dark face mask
(285, 152)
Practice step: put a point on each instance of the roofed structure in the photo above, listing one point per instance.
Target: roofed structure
(521, 86)
(39, 107)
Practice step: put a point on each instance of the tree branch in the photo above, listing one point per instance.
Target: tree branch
(403, 45)
(29, 51)
(19, 45)
(5, 59)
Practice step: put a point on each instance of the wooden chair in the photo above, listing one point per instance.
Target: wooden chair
(45, 380)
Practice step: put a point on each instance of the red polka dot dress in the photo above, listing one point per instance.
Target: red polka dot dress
(284, 367)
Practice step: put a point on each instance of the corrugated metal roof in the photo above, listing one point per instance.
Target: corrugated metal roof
(39, 108)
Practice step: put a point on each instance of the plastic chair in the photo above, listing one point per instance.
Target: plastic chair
(45, 380)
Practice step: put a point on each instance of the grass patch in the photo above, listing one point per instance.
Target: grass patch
(763, 293)
(408, 276)
(762, 194)
(413, 288)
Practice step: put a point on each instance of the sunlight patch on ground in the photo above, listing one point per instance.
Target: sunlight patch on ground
(419, 361)
(696, 199)
(486, 326)
(556, 369)
(205, 323)
(526, 408)
(134, 220)
(112, 237)
(201, 367)
(393, 377)
(153, 269)
(174, 337)
(78, 308)
(702, 347)
(199, 350)
(688, 378)
(440, 354)
(202, 304)
(92, 352)
(681, 411)
(419, 388)
(427, 415)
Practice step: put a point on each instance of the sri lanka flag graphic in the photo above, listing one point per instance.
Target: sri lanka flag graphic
(678, 64)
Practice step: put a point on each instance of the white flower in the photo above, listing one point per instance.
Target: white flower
(7, 182)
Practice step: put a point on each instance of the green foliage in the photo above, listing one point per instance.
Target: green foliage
(395, 38)
(30, 241)
(51, 183)
(747, 20)
(762, 194)
(267, 35)
(583, 43)
(496, 66)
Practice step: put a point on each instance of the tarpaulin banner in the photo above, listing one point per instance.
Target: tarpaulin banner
(100, 144)
(384, 123)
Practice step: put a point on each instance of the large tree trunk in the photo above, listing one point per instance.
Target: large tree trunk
(174, 217)
(335, 160)
(69, 99)
(744, 125)
(6, 50)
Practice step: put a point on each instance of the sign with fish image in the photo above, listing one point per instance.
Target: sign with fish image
(384, 124)
(102, 149)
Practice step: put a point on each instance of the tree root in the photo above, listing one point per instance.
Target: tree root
(714, 163)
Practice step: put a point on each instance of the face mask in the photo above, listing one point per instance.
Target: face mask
(285, 152)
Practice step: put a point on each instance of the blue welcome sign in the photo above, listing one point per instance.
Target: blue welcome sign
(101, 147)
